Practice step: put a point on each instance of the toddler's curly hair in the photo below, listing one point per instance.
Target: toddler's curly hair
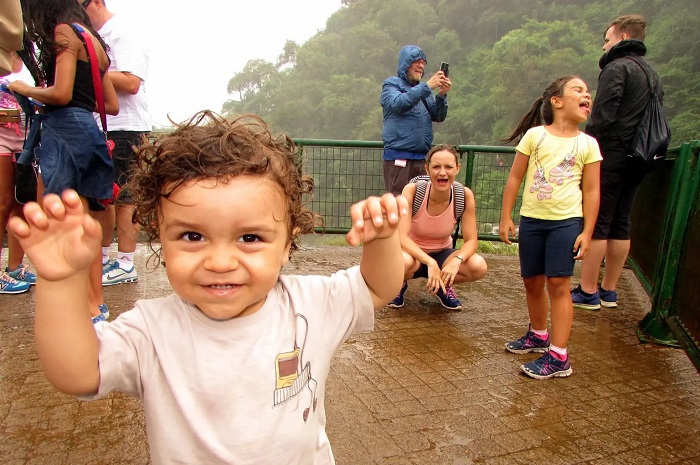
(209, 146)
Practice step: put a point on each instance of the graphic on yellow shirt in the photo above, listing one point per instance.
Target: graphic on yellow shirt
(293, 377)
(563, 170)
(557, 175)
(540, 184)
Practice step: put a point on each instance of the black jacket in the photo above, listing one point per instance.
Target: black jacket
(622, 96)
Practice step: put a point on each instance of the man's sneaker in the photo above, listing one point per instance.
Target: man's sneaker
(9, 285)
(548, 366)
(114, 274)
(398, 300)
(530, 342)
(22, 273)
(448, 299)
(104, 310)
(608, 299)
(583, 300)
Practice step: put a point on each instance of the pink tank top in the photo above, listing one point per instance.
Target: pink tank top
(433, 233)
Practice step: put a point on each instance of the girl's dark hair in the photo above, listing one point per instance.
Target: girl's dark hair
(208, 146)
(541, 110)
(440, 148)
(40, 19)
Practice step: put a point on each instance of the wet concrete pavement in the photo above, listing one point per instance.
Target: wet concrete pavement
(428, 386)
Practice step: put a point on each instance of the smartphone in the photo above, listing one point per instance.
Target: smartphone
(445, 68)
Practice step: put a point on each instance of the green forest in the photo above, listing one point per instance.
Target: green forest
(502, 54)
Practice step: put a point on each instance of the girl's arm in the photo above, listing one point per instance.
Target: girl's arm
(374, 224)
(515, 178)
(590, 186)
(61, 92)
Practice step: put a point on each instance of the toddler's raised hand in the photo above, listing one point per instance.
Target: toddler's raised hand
(375, 218)
(60, 239)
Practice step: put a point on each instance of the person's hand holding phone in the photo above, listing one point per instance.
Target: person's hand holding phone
(445, 83)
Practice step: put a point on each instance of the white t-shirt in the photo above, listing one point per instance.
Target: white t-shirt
(128, 53)
(248, 390)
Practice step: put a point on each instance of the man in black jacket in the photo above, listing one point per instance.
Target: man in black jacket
(620, 101)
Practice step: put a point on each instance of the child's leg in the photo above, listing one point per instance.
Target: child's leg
(562, 310)
(537, 304)
(95, 297)
(7, 194)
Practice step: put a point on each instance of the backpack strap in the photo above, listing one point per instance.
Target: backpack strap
(421, 187)
(459, 195)
(653, 88)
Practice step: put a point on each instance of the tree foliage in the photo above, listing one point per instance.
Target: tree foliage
(502, 54)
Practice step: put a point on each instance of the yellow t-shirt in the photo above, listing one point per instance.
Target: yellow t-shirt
(553, 178)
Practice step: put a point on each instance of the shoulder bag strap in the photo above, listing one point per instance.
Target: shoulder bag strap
(96, 77)
(419, 196)
(458, 189)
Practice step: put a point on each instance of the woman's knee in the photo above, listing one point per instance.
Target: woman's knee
(473, 269)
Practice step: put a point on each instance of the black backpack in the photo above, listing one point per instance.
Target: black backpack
(653, 134)
(421, 187)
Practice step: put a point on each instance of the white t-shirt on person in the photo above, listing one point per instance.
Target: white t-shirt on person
(128, 52)
(248, 390)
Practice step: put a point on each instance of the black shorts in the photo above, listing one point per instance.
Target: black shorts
(617, 191)
(546, 247)
(440, 256)
(123, 156)
(396, 177)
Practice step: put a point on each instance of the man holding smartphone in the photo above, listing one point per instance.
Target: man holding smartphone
(410, 108)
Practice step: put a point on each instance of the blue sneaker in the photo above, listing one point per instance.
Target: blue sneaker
(104, 311)
(608, 299)
(448, 299)
(115, 274)
(530, 342)
(22, 273)
(583, 300)
(9, 285)
(548, 366)
(398, 300)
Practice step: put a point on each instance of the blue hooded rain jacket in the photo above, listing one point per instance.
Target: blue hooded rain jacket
(409, 111)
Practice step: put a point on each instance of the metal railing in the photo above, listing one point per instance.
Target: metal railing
(346, 172)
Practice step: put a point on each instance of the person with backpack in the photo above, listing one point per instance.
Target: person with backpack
(618, 110)
(439, 203)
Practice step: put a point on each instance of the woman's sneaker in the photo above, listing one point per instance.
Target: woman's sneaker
(608, 299)
(548, 366)
(584, 300)
(528, 343)
(22, 273)
(448, 299)
(9, 285)
(398, 300)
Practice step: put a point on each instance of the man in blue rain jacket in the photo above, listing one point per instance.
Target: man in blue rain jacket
(409, 111)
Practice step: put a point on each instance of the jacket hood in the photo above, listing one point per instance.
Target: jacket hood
(621, 49)
(408, 55)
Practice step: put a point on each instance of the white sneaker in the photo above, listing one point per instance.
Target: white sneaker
(114, 274)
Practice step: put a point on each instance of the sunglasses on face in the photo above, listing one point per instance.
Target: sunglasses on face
(85, 3)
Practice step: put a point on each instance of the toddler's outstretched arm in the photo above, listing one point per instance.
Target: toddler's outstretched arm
(374, 224)
(61, 241)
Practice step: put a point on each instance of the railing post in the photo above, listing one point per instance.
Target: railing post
(653, 327)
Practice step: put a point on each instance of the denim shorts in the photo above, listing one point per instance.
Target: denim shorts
(440, 256)
(546, 246)
(73, 154)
